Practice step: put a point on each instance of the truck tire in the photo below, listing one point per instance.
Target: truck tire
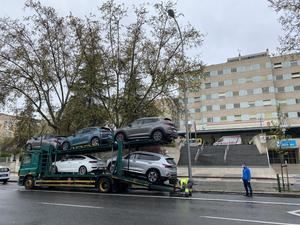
(29, 183)
(82, 170)
(104, 185)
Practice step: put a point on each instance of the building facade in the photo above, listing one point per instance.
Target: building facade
(247, 92)
(7, 125)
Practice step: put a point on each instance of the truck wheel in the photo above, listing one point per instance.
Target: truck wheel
(153, 175)
(104, 185)
(29, 183)
(157, 135)
(82, 170)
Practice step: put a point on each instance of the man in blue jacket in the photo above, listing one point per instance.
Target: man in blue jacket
(246, 180)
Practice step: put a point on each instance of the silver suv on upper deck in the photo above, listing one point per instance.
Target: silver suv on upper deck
(157, 128)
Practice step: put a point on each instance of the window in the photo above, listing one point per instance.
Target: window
(251, 104)
(280, 89)
(252, 117)
(207, 74)
(233, 70)
(294, 63)
(220, 72)
(277, 65)
(223, 118)
(197, 110)
(222, 107)
(235, 93)
(297, 100)
(207, 85)
(279, 77)
(236, 105)
(237, 117)
(208, 97)
(209, 108)
(27, 159)
(250, 91)
(295, 75)
(267, 102)
(281, 102)
(265, 90)
(221, 83)
(209, 119)
(298, 113)
(222, 95)
(148, 157)
(196, 99)
(297, 88)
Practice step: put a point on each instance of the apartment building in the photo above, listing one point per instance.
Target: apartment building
(245, 92)
(7, 125)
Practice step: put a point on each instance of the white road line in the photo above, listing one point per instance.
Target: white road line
(69, 205)
(248, 221)
(295, 213)
(172, 197)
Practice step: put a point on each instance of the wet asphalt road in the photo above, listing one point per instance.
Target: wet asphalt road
(56, 207)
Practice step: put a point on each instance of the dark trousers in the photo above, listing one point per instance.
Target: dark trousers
(248, 187)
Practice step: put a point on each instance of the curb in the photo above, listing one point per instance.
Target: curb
(265, 194)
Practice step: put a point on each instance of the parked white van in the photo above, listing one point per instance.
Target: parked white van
(229, 140)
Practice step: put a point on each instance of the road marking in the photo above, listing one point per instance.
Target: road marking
(172, 197)
(69, 205)
(295, 213)
(248, 221)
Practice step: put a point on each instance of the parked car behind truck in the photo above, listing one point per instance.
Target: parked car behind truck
(4, 174)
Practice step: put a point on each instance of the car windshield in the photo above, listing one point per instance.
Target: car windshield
(4, 169)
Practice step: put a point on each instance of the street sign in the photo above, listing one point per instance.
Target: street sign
(287, 143)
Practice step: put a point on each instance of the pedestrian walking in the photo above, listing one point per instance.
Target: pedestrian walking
(246, 177)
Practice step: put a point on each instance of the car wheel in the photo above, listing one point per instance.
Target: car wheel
(111, 167)
(65, 146)
(29, 183)
(82, 170)
(5, 181)
(157, 135)
(95, 141)
(28, 147)
(153, 175)
(54, 169)
(120, 137)
(104, 185)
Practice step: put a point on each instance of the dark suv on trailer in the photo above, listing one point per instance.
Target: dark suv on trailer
(157, 128)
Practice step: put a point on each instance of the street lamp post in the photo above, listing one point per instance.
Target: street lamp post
(172, 15)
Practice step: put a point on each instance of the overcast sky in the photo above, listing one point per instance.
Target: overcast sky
(230, 26)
